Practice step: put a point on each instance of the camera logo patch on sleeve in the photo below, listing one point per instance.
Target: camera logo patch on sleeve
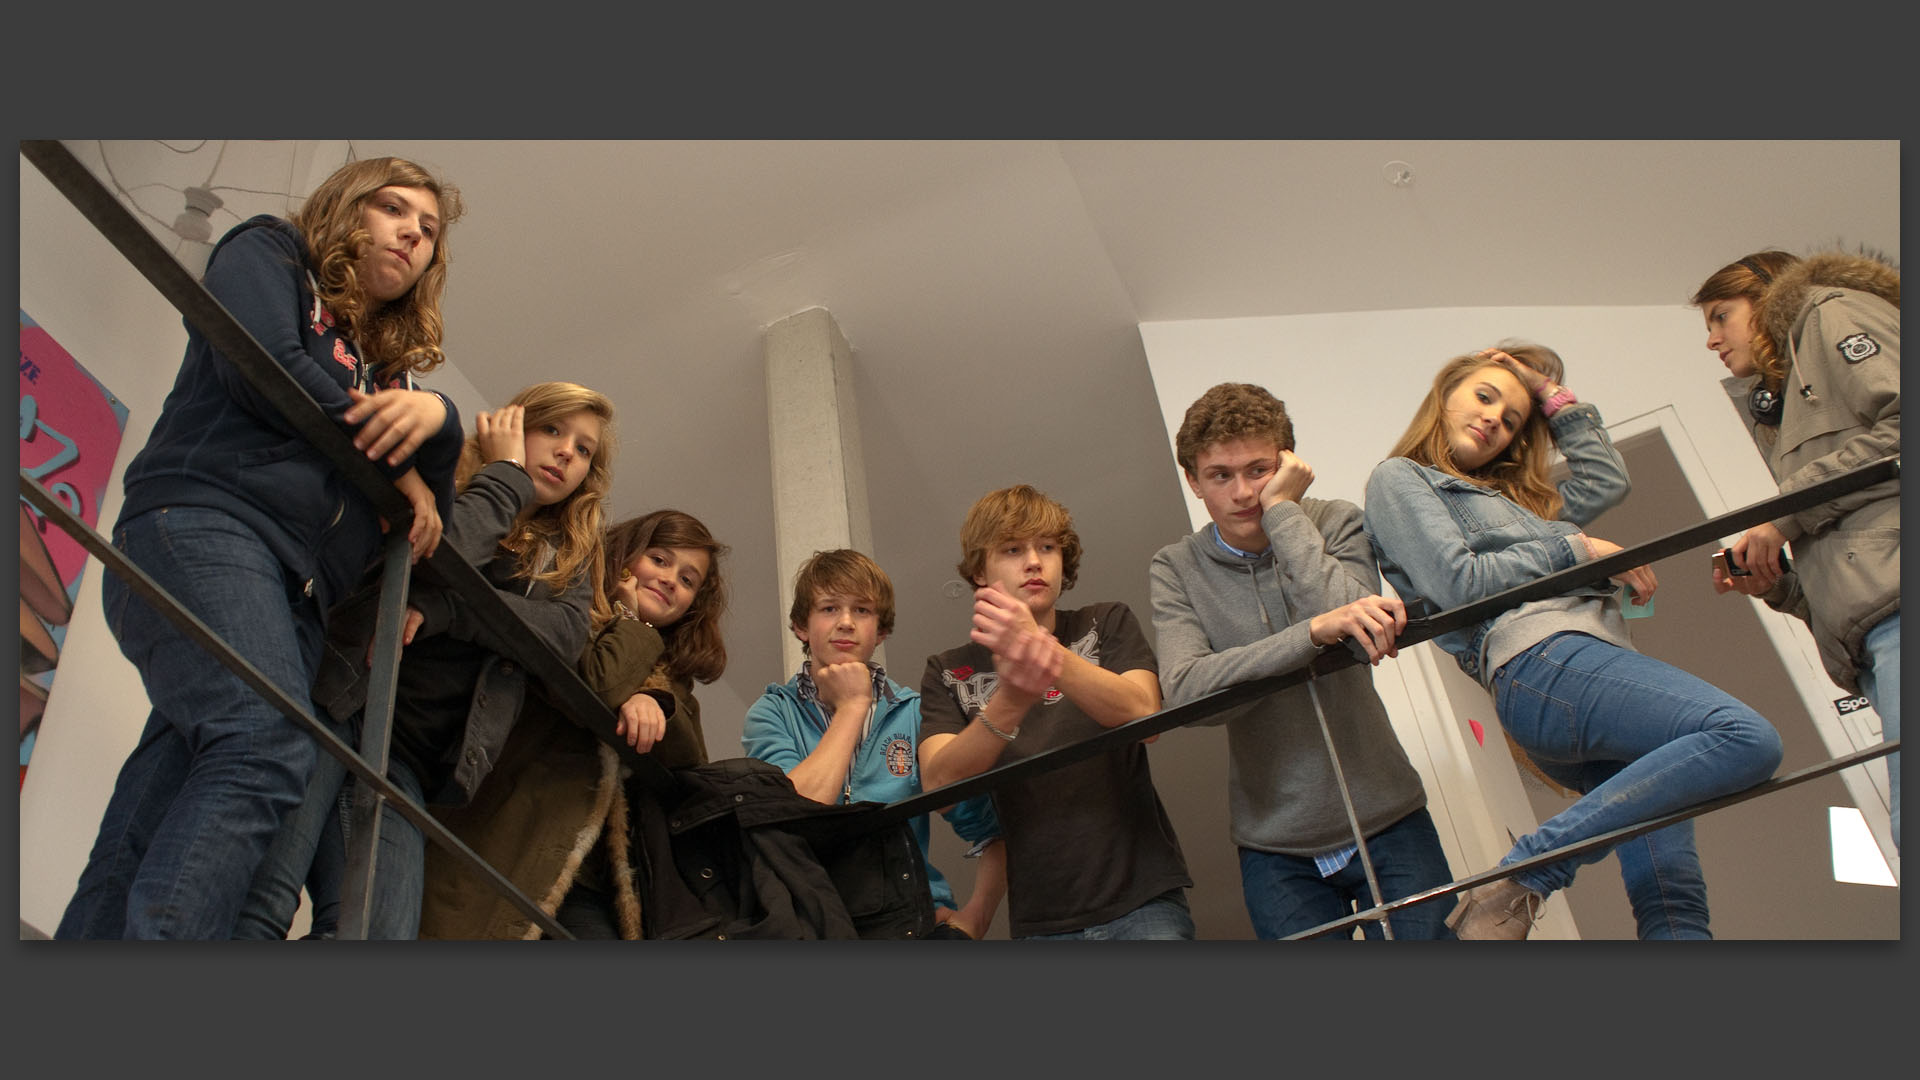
(1857, 347)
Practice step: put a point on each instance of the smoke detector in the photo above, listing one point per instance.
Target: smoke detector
(1399, 173)
(195, 222)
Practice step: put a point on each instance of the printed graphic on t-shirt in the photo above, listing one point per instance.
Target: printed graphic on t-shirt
(975, 688)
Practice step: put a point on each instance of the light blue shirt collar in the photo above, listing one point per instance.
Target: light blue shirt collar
(1218, 539)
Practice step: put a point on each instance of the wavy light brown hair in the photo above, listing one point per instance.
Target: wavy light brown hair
(1228, 412)
(404, 334)
(1520, 472)
(695, 650)
(1012, 513)
(1748, 279)
(571, 528)
(844, 571)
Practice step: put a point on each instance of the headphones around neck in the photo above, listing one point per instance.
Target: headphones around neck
(1765, 406)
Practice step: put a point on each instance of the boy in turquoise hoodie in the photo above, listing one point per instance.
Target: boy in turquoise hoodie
(844, 732)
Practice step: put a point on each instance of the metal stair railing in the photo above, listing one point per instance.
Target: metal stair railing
(567, 692)
(1349, 653)
(556, 674)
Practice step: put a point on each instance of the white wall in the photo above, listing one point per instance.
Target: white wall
(1351, 382)
(84, 293)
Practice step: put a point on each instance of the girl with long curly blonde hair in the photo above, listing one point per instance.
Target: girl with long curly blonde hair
(257, 534)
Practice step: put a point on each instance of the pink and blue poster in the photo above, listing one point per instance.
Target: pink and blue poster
(70, 428)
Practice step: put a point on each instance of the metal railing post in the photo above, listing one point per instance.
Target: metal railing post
(376, 738)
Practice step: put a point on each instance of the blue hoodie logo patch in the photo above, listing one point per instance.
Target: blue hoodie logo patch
(900, 756)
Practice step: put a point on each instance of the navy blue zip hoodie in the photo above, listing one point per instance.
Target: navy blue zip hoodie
(219, 444)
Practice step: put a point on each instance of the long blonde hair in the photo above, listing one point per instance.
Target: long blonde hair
(404, 334)
(1521, 471)
(570, 528)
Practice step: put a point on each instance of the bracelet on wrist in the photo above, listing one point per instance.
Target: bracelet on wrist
(1554, 397)
(515, 462)
(621, 609)
(982, 717)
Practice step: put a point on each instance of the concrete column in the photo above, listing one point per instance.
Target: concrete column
(819, 479)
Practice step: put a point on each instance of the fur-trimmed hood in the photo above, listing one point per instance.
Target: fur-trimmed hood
(1784, 301)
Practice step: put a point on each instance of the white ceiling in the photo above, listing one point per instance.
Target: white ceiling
(991, 292)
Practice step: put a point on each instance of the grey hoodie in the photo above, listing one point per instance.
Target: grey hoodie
(1222, 619)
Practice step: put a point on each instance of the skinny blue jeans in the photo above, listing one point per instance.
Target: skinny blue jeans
(1880, 682)
(1647, 737)
(217, 768)
(306, 853)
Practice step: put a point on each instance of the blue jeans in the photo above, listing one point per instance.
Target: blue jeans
(1163, 918)
(400, 866)
(1660, 869)
(217, 768)
(1574, 700)
(1285, 894)
(306, 853)
(1880, 682)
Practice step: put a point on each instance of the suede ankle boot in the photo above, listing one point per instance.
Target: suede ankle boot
(1503, 910)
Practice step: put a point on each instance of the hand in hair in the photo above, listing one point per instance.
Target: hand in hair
(1640, 579)
(502, 434)
(642, 722)
(424, 536)
(1373, 621)
(1288, 482)
(397, 421)
(1758, 552)
(1531, 379)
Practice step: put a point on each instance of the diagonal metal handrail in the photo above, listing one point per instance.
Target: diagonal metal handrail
(571, 695)
(198, 632)
(1605, 840)
(277, 386)
(1335, 657)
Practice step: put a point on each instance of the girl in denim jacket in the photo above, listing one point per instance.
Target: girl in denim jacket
(1463, 509)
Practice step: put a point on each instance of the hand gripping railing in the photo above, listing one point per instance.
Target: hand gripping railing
(1349, 653)
(569, 694)
(557, 674)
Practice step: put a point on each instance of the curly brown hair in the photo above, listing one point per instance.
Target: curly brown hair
(695, 650)
(1748, 279)
(403, 335)
(1228, 412)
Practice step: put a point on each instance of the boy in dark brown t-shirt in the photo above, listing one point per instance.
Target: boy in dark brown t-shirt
(1090, 850)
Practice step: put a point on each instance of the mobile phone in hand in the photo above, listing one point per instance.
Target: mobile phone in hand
(1723, 562)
